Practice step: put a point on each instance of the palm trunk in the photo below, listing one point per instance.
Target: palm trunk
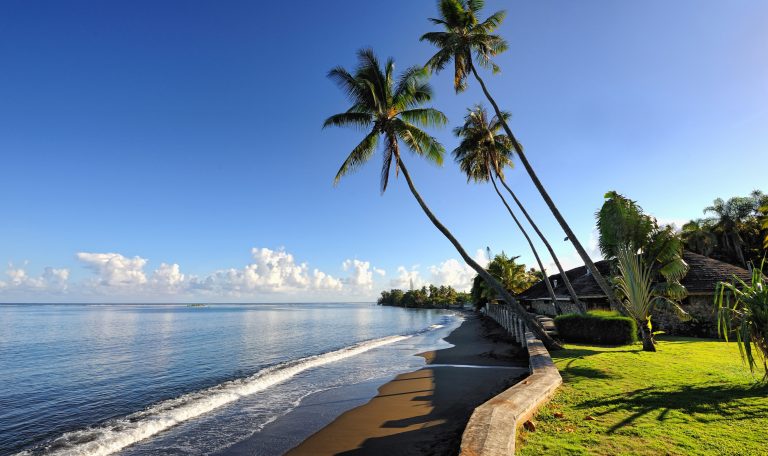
(545, 278)
(505, 295)
(580, 305)
(555, 211)
(648, 344)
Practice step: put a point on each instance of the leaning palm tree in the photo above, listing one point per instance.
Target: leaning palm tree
(464, 36)
(392, 110)
(482, 155)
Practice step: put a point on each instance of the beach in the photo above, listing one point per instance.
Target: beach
(425, 411)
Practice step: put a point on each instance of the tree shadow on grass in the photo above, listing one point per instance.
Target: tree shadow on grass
(698, 402)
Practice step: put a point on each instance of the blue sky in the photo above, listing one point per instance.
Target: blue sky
(189, 133)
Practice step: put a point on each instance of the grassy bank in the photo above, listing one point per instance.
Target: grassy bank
(692, 397)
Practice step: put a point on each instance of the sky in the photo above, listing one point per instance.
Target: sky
(173, 151)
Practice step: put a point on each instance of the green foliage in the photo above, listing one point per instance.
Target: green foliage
(621, 223)
(698, 236)
(465, 36)
(742, 309)
(764, 225)
(602, 328)
(514, 277)
(692, 397)
(386, 109)
(424, 297)
(737, 232)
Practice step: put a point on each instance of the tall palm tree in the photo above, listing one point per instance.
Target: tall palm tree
(392, 110)
(698, 237)
(482, 155)
(464, 36)
(729, 219)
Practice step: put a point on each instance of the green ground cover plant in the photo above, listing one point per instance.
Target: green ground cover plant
(691, 397)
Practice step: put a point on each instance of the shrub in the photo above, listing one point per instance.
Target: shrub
(601, 328)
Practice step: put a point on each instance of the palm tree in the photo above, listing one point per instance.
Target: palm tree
(746, 316)
(729, 219)
(622, 222)
(482, 155)
(698, 237)
(465, 36)
(392, 110)
(638, 295)
(506, 270)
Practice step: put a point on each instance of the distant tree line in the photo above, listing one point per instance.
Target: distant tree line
(736, 232)
(425, 297)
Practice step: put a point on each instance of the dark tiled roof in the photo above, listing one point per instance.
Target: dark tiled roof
(702, 277)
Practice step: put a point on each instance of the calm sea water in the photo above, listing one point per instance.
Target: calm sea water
(172, 379)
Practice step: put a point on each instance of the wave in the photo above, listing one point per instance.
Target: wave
(118, 434)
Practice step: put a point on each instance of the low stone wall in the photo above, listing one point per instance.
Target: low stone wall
(492, 428)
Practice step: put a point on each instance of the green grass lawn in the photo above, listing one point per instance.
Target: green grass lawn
(692, 397)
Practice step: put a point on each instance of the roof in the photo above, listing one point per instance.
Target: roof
(703, 275)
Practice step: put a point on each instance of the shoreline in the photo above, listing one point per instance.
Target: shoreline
(426, 410)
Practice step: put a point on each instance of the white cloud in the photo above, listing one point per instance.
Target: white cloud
(451, 272)
(52, 279)
(271, 271)
(361, 273)
(168, 276)
(407, 278)
(115, 270)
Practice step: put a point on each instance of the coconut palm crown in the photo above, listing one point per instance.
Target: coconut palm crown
(482, 152)
(464, 36)
(387, 109)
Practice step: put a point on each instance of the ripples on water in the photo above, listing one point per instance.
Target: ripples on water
(91, 379)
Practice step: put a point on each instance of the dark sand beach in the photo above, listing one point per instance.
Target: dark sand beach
(425, 411)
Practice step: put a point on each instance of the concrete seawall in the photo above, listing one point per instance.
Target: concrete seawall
(492, 429)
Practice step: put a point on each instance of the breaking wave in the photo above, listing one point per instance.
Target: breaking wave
(117, 434)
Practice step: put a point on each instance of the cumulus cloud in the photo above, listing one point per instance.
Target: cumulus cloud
(275, 273)
(451, 272)
(361, 273)
(114, 269)
(52, 279)
(168, 276)
(271, 271)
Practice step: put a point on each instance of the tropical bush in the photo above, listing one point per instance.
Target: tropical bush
(602, 328)
(742, 309)
(513, 276)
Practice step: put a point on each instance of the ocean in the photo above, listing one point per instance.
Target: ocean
(168, 379)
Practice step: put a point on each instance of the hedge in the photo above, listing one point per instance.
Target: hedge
(601, 328)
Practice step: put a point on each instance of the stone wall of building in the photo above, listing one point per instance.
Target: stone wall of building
(703, 324)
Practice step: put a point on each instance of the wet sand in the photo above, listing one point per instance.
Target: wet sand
(425, 411)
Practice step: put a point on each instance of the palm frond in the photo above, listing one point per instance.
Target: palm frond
(426, 117)
(359, 155)
(420, 142)
(345, 119)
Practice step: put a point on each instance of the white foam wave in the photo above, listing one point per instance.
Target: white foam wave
(126, 431)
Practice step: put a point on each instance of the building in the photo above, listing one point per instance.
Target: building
(701, 281)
